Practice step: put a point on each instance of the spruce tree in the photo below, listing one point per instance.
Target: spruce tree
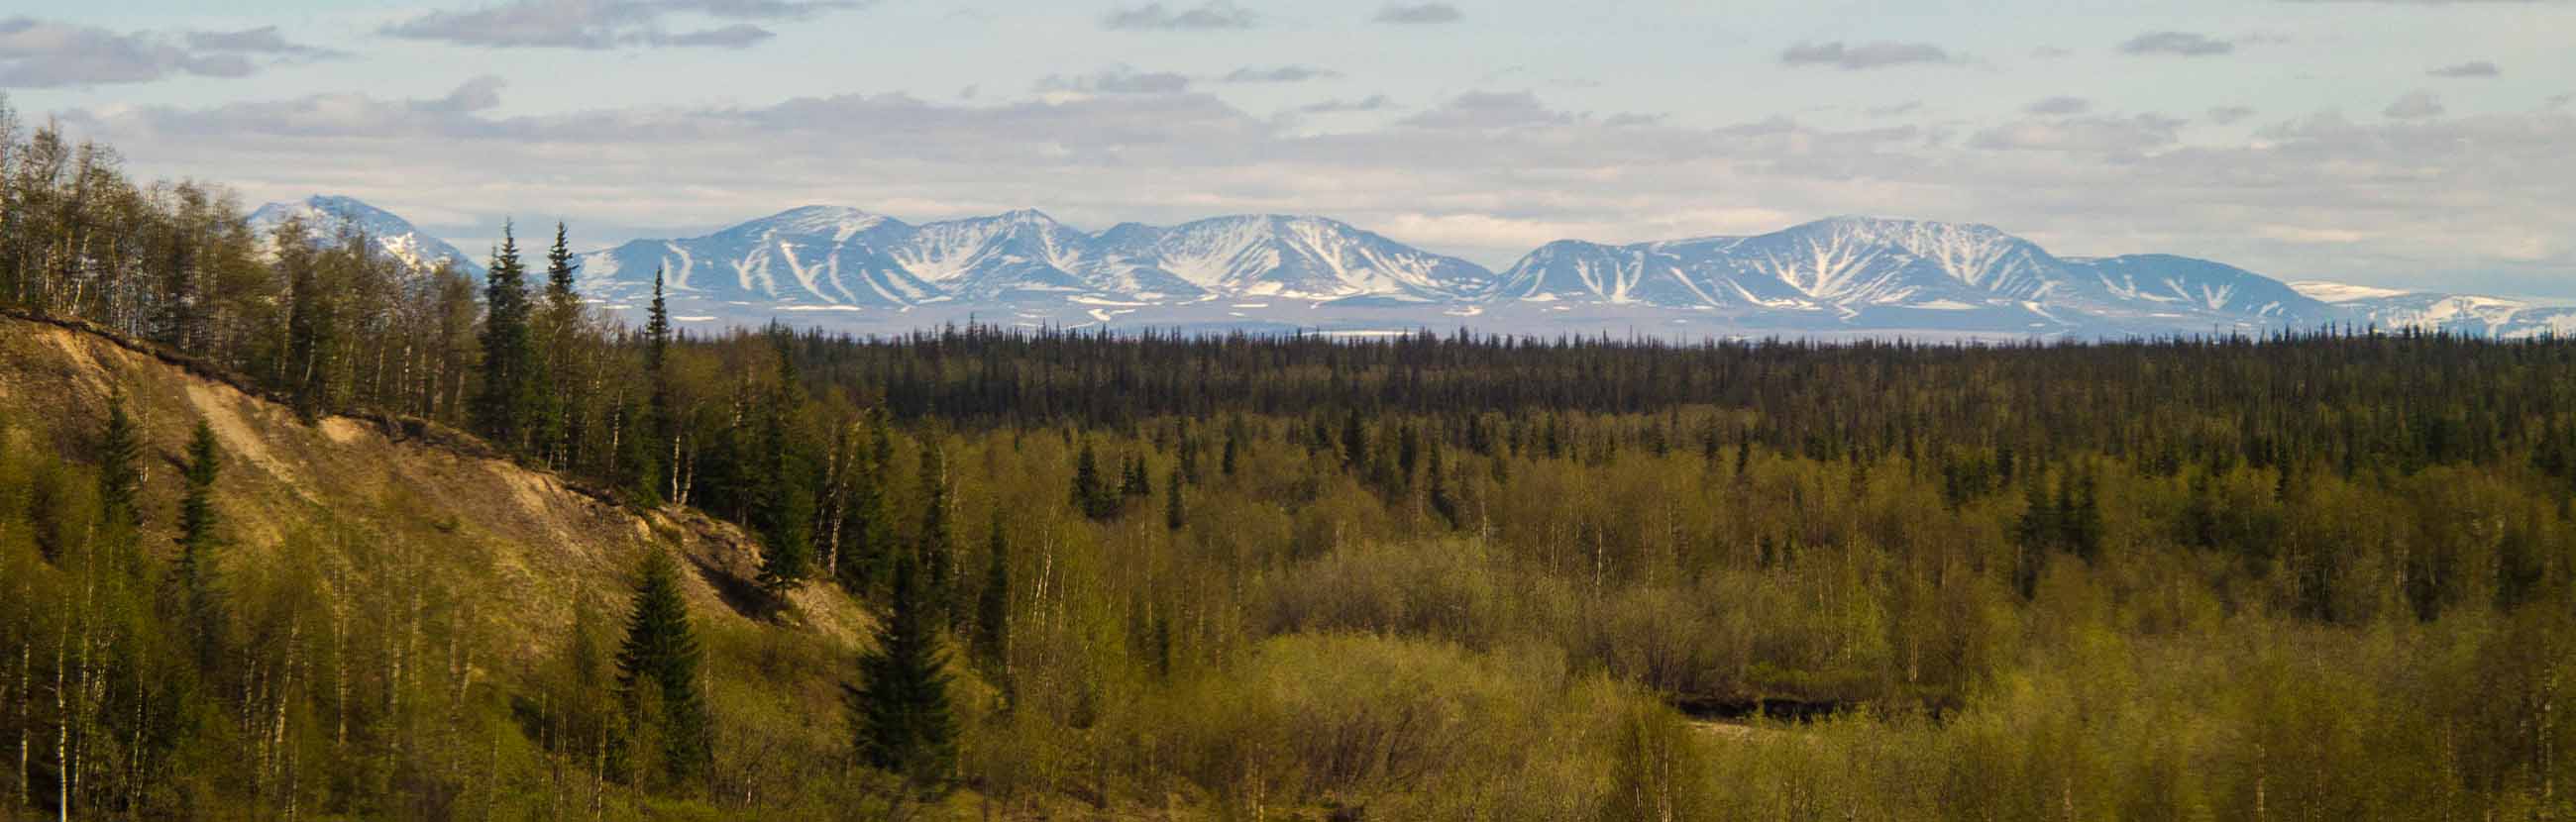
(501, 409)
(1355, 445)
(1408, 455)
(555, 330)
(1091, 494)
(867, 526)
(120, 471)
(1175, 514)
(193, 571)
(561, 298)
(1134, 484)
(993, 609)
(1229, 461)
(656, 426)
(2082, 511)
(639, 457)
(2035, 533)
(1437, 482)
(936, 548)
(782, 499)
(308, 325)
(657, 675)
(787, 546)
(900, 709)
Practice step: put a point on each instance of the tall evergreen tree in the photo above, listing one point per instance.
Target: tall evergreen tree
(2082, 513)
(1189, 458)
(937, 548)
(993, 608)
(556, 328)
(1437, 482)
(309, 324)
(1134, 484)
(900, 710)
(561, 297)
(193, 571)
(656, 427)
(1175, 514)
(120, 470)
(1091, 493)
(638, 467)
(657, 676)
(1355, 444)
(509, 379)
(782, 496)
(867, 529)
(2035, 533)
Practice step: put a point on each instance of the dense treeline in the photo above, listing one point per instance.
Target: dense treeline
(2324, 575)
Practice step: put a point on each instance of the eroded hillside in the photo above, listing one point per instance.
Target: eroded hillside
(533, 547)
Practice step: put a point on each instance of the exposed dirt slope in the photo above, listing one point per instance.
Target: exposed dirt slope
(530, 547)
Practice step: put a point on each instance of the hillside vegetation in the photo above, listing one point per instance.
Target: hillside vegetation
(438, 554)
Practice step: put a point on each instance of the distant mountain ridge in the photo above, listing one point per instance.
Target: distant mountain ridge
(2471, 314)
(326, 214)
(827, 256)
(1842, 275)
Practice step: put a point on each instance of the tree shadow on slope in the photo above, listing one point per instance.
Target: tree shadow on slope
(739, 593)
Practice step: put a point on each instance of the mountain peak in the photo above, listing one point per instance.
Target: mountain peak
(1899, 225)
(326, 214)
(816, 219)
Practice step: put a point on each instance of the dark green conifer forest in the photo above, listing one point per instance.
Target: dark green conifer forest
(2317, 574)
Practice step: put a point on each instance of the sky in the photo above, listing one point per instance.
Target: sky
(2426, 144)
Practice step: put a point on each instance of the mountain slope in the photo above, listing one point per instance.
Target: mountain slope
(1307, 258)
(809, 256)
(326, 214)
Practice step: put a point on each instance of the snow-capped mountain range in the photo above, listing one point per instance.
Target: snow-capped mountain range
(1878, 273)
(826, 256)
(1841, 276)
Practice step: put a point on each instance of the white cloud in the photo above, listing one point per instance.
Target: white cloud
(2415, 105)
(1489, 110)
(2473, 68)
(46, 54)
(2230, 115)
(1373, 102)
(1419, 13)
(606, 24)
(2177, 43)
(1279, 74)
(1215, 15)
(1863, 55)
(2060, 106)
(1116, 80)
